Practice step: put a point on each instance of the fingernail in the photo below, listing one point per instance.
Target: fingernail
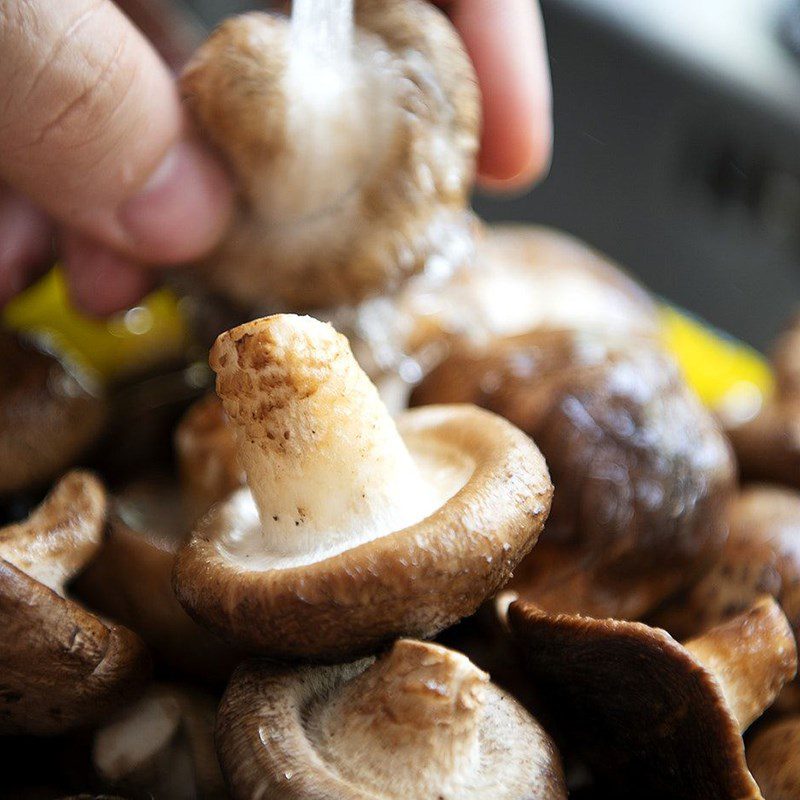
(182, 209)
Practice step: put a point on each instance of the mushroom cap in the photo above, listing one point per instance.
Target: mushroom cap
(414, 581)
(405, 161)
(761, 556)
(130, 580)
(641, 470)
(284, 733)
(650, 714)
(772, 755)
(205, 446)
(48, 416)
(62, 666)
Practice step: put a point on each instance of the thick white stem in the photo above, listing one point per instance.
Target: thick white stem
(324, 461)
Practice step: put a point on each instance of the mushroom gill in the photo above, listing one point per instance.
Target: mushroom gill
(353, 163)
(650, 716)
(353, 529)
(419, 721)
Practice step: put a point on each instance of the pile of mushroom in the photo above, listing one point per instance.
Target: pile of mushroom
(304, 545)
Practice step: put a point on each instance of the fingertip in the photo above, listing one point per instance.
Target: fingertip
(25, 244)
(100, 281)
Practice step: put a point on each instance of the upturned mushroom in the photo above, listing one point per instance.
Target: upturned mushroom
(421, 721)
(652, 717)
(62, 667)
(130, 580)
(162, 745)
(353, 529)
(767, 446)
(642, 472)
(773, 756)
(49, 415)
(354, 152)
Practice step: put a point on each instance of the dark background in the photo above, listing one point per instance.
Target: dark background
(677, 148)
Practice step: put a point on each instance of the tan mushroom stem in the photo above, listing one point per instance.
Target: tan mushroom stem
(324, 461)
(414, 712)
(750, 656)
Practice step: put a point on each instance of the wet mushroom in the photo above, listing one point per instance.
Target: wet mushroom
(421, 721)
(130, 580)
(62, 667)
(162, 745)
(642, 472)
(772, 755)
(353, 168)
(767, 446)
(354, 529)
(49, 415)
(653, 717)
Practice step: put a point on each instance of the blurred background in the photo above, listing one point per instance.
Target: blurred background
(677, 147)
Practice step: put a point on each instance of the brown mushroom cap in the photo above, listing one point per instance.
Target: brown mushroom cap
(355, 530)
(641, 470)
(130, 580)
(768, 445)
(162, 744)
(48, 416)
(206, 451)
(761, 556)
(421, 721)
(651, 714)
(62, 667)
(341, 197)
(772, 755)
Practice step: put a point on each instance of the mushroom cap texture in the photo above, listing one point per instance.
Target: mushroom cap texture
(772, 755)
(761, 556)
(48, 418)
(130, 580)
(641, 708)
(412, 582)
(266, 747)
(410, 202)
(62, 667)
(642, 471)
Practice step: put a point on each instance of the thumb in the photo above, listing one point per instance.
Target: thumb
(92, 130)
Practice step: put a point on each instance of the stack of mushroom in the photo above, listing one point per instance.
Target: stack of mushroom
(353, 530)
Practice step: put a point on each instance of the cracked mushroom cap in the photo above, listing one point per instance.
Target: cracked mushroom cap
(162, 745)
(653, 715)
(642, 472)
(62, 667)
(206, 451)
(354, 167)
(353, 529)
(130, 580)
(49, 416)
(420, 721)
(772, 755)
